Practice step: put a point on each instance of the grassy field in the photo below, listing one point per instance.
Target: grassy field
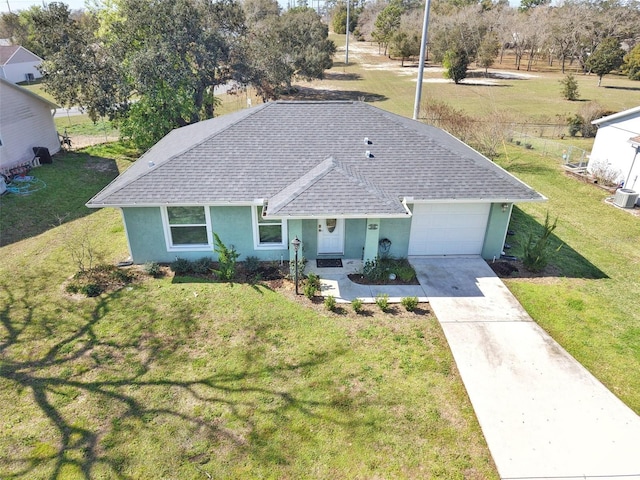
(176, 378)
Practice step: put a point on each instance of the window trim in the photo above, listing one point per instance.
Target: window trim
(256, 232)
(187, 248)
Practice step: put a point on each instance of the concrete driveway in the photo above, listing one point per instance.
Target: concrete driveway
(542, 413)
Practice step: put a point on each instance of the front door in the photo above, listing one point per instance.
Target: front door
(330, 236)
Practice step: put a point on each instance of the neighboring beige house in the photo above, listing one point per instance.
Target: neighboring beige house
(26, 121)
(17, 64)
(617, 147)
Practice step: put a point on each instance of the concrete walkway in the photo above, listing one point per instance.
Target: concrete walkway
(542, 413)
(334, 281)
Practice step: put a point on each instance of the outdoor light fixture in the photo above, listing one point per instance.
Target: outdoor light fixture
(504, 207)
(296, 246)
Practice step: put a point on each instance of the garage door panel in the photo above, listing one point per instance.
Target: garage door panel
(448, 229)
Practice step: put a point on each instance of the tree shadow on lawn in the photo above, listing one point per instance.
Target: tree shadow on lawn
(318, 94)
(564, 261)
(70, 181)
(334, 75)
(115, 377)
(631, 89)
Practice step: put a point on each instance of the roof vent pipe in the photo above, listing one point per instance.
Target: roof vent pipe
(366, 141)
(151, 164)
(368, 154)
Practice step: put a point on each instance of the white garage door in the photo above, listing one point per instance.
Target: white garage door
(448, 229)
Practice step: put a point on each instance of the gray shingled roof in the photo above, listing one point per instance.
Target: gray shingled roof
(308, 158)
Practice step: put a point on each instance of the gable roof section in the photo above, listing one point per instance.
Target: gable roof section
(26, 91)
(16, 54)
(308, 158)
(632, 112)
(312, 194)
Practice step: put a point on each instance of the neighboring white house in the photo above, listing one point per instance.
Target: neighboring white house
(17, 64)
(617, 147)
(26, 121)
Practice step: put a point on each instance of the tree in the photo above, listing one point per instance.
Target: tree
(488, 51)
(404, 45)
(167, 54)
(295, 44)
(607, 56)
(570, 87)
(387, 23)
(257, 10)
(529, 4)
(456, 63)
(632, 63)
(339, 18)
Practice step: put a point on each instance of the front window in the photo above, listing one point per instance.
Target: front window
(187, 226)
(269, 232)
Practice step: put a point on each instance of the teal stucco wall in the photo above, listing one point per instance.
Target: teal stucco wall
(496, 231)
(397, 230)
(232, 224)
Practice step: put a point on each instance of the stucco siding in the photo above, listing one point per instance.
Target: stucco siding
(146, 235)
(397, 230)
(232, 224)
(496, 233)
(25, 122)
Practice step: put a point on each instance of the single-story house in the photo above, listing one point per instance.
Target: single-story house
(617, 146)
(343, 177)
(26, 121)
(17, 64)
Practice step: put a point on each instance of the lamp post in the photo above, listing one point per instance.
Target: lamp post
(296, 245)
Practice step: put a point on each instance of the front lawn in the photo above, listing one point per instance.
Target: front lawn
(190, 379)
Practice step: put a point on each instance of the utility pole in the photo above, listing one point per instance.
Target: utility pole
(423, 52)
(346, 57)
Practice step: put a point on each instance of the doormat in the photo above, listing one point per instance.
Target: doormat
(328, 262)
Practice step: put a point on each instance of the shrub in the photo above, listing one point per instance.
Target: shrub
(570, 87)
(330, 303)
(302, 263)
(356, 304)
(72, 288)
(404, 271)
(382, 300)
(575, 124)
(91, 290)
(374, 270)
(252, 264)
(152, 269)
(181, 266)
(311, 286)
(202, 266)
(122, 276)
(409, 303)
(227, 258)
(536, 251)
(603, 173)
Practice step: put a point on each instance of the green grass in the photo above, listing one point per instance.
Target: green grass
(65, 186)
(174, 378)
(590, 302)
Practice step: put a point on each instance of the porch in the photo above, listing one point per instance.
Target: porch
(335, 281)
